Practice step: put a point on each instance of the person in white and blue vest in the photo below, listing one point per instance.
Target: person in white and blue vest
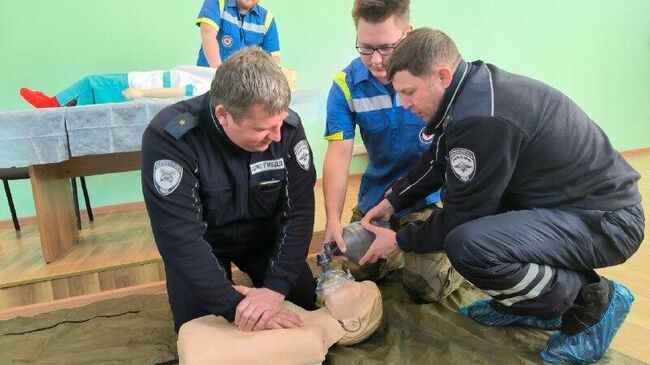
(230, 25)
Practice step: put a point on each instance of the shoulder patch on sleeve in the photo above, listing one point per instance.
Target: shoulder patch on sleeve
(167, 176)
(180, 125)
(301, 150)
(292, 119)
(463, 164)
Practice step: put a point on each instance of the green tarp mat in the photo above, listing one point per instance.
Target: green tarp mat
(415, 333)
(132, 330)
(138, 330)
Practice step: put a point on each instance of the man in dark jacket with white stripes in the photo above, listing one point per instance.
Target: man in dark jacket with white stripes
(534, 197)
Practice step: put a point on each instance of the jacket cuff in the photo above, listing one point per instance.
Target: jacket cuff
(403, 241)
(278, 285)
(395, 200)
(229, 314)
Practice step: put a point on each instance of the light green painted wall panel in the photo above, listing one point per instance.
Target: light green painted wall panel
(595, 51)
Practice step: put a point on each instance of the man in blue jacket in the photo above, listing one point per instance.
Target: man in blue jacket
(362, 96)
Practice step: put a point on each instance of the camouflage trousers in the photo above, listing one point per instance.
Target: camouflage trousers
(426, 277)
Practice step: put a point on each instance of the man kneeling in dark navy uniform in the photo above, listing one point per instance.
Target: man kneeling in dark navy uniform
(228, 177)
(534, 197)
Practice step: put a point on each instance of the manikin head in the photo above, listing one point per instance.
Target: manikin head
(357, 306)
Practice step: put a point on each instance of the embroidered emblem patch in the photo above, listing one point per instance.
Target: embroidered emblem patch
(266, 166)
(226, 41)
(301, 150)
(463, 164)
(166, 176)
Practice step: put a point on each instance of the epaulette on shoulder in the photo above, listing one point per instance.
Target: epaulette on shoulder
(180, 125)
(292, 119)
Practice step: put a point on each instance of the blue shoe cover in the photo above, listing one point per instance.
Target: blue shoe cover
(591, 344)
(483, 313)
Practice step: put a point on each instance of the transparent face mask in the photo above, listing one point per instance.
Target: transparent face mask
(330, 280)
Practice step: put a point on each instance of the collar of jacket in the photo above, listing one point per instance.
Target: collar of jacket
(215, 129)
(457, 82)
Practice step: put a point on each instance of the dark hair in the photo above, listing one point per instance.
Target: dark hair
(420, 51)
(376, 11)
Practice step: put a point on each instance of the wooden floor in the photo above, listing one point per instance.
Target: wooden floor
(115, 251)
(116, 254)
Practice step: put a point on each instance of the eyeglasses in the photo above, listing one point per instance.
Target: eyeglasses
(383, 50)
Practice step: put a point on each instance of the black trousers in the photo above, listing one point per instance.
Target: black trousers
(534, 262)
(253, 259)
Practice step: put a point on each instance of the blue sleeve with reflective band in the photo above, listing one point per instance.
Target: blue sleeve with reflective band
(210, 11)
(271, 43)
(339, 124)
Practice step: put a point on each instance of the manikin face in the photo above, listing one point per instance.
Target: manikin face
(255, 131)
(357, 306)
(421, 95)
(377, 35)
(246, 5)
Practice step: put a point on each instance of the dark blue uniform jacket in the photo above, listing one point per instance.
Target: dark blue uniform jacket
(506, 142)
(206, 196)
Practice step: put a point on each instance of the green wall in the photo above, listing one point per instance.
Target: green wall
(596, 51)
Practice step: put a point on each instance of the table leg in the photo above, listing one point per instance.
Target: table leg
(54, 210)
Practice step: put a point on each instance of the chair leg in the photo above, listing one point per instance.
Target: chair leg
(84, 190)
(73, 181)
(12, 208)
